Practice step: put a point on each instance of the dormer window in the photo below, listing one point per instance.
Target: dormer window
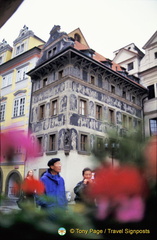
(49, 53)
(155, 55)
(130, 66)
(77, 37)
(17, 50)
(54, 50)
(1, 60)
(20, 49)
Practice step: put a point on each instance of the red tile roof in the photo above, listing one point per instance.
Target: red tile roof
(96, 56)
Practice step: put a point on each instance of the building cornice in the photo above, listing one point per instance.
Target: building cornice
(20, 58)
(67, 53)
(148, 70)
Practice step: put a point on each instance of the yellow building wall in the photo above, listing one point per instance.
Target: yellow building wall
(21, 123)
(8, 56)
(32, 42)
(10, 104)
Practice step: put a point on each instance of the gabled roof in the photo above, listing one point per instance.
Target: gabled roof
(79, 32)
(128, 55)
(136, 51)
(151, 41)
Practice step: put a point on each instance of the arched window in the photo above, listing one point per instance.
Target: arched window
(77, 37)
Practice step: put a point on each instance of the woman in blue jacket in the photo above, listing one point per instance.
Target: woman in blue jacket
(55, 196)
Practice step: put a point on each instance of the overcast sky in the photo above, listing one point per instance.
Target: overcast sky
(107, 25)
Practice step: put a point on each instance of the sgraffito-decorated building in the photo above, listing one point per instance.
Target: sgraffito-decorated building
(77, 96)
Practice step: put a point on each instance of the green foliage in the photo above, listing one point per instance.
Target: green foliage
(34, 223)
(127, 149)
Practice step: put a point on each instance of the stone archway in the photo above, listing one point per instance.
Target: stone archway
(14, 179)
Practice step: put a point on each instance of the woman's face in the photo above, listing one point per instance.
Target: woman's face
(30, 173)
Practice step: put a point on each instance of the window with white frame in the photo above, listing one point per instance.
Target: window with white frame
(130, 66)
(20, 49)
(19, 107)
(21, 74)
(2, 111)
(7, 80)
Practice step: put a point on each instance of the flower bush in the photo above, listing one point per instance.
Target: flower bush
(123, 196)
(120, 191)
(14, 140)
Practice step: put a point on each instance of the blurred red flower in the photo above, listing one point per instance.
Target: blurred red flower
(119, 191)
(15, 140)
(120, 181)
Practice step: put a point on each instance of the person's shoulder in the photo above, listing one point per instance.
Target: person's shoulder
(44, 176)
(60, 177)
(79, 183)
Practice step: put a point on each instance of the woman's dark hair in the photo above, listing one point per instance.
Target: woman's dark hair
(86, 169)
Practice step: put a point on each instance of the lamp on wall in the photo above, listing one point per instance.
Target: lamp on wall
(112, 146)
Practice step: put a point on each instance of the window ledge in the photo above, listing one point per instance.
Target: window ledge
(51, 152)
(18, 116)
(83, 153)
